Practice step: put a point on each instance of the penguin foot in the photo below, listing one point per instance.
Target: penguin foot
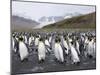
(50, 48)
(56, 59)
(26, 59)
(22, 60)
(36, 50)
(90, 56)
(76, 63)
(41, 61)
(62, 62)
(18, 55)
(65, 61)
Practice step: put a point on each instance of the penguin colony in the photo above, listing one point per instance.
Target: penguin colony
(61, 44)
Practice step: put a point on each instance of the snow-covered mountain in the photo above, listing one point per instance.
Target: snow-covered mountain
(22, 22)
(48, 20)
(53, 19)
(70, 15)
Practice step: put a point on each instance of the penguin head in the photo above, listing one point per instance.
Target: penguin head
(57, 40)
(37, 36)
(65, 37)
(89, 38)
(13, 35)
(20, 38)
(46, 37)
(72, 42)
(41, 39)
(77, 38)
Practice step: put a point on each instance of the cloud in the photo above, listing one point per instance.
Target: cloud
(35, 10)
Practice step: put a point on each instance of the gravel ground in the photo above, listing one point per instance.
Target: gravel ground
(49, 65)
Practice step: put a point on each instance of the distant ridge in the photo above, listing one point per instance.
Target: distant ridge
(83, 21)
(21, 23)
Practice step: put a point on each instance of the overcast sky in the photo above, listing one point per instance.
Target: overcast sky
(35, 10)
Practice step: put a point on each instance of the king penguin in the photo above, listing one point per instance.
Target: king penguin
(65, 44)
(41, 50)
(58, 50)
(47, 42)
(23, 50)
(90, 48)
(47, 45)
(74, 54)
(13, 43)
(31, 38)
(77, 46)
(36, 42)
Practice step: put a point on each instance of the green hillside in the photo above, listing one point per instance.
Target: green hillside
(87, 21)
